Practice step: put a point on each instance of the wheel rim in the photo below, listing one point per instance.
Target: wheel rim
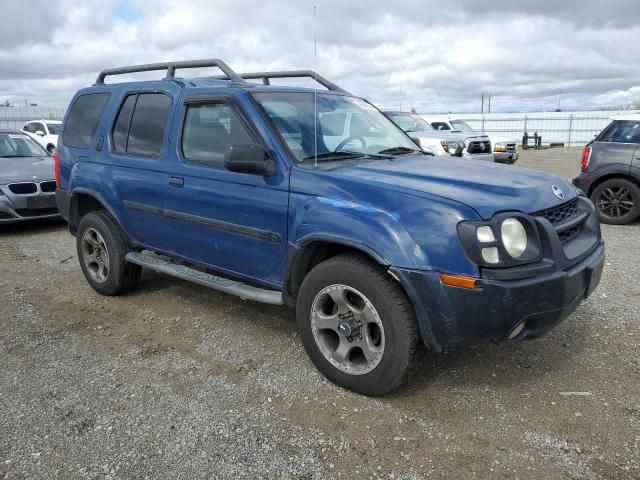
(95, 255)
(347, 329)
(615, 202)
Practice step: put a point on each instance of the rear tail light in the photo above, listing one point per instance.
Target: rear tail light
(586, 156)
(56, 161)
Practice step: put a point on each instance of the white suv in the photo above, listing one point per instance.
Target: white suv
(45, 132)
(504, 151)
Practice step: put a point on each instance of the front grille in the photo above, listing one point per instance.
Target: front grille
(479, 147)
(48, 187)
(511, 148)
(561, 213)
(23, 188)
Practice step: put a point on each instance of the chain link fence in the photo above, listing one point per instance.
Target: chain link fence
(567, 128)
(15, 117)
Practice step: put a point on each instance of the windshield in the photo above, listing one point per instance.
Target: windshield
(54, 128)
(462, 126)
(19, 145)
(410, 122)
(346, 127)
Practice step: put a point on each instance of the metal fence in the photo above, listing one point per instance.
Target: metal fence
(15, 117)
(568, 128)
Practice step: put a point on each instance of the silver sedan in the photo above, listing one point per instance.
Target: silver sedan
(27, 185)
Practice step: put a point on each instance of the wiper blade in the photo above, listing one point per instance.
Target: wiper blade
(400, 151)
(343, 154)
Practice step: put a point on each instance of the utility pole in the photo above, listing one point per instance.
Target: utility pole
(489, 103)
(482, 108)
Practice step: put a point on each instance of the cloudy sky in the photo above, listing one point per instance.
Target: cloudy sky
(436, 56)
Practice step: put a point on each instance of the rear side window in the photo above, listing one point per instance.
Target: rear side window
(208, 130)
(83, 119)
(141, 124)
(621, 131)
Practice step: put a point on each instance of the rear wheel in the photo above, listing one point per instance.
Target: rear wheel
(102, 247)
(357, 325)
(617, 201)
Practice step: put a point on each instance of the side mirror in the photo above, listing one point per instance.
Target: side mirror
(249, 158)
(40, 133)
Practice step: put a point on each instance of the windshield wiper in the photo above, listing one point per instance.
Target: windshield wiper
(342, 154)
(401, 151)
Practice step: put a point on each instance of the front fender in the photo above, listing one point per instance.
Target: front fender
(356, 224)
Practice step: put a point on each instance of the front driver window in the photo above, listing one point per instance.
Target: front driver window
(208, 129)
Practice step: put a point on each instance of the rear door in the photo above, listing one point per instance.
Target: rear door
(136, 157)
(233, 222)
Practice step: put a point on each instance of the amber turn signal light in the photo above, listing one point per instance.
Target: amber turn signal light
(458, 281)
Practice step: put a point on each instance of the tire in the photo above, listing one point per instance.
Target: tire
(101, 247)
(390, 337)
(617, 201)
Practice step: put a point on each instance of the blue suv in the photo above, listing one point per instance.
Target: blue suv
(261, 191)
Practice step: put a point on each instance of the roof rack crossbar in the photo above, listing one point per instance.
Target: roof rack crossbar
(266, 76)
(171, 68)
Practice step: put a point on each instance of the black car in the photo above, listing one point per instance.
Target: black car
(610, 171)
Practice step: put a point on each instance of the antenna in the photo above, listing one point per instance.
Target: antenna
(315, 91)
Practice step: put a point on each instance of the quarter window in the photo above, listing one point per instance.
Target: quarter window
(83, 119)
(208, 129)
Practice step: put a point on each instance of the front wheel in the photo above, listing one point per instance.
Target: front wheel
(617, 201)
(357, 325)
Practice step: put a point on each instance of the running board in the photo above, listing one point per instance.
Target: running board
(212, 281)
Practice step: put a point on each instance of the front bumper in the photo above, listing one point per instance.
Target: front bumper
(506, 157)
(452, 317)
(17, 208)
(487, 157)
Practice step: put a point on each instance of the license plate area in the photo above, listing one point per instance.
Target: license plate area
(39, 202)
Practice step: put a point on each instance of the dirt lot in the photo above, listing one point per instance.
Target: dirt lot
(178, 381)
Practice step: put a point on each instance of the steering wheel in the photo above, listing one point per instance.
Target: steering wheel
(349, 139)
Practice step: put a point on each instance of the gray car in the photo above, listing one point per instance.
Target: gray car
(610, 171)
(27, 185)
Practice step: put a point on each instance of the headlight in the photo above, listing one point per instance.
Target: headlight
(453, 148)
(500, 147)
(507, 240)
(514, 237)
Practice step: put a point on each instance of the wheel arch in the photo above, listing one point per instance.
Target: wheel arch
(85, 201)
(613, 176)
(311, 251)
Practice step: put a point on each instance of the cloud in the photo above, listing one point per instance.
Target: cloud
(427, 55)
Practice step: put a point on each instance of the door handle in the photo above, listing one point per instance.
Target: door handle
(176, 181)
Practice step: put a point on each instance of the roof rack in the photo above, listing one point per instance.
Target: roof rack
(171, 68)
(266, 76)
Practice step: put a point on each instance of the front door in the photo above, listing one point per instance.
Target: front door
(235, 223)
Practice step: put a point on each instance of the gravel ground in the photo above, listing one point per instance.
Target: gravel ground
(178, 381)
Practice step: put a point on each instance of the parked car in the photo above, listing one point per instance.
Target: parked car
(610, 171)
(27, 185)
(45, 132)
(241, 186)
(477, 147)
(504, 150)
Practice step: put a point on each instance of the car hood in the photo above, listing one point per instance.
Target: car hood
(448, 135)
(486, 187)
(24, 169)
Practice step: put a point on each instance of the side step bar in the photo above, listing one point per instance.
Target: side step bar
(212, 281)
